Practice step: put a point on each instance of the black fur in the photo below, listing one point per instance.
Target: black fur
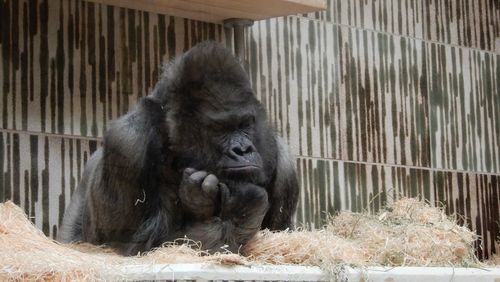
(196, 158)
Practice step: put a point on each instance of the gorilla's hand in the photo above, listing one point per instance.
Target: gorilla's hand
(245, 205)
(199, 193)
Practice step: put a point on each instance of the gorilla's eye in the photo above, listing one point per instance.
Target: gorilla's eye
(244, 125)
(247, 123)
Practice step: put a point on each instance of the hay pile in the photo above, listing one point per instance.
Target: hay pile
(26, 254)
(411, 233)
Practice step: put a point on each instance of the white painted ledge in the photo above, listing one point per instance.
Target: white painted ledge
(203, 272)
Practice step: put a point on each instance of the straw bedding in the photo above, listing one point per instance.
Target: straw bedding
(409, 233)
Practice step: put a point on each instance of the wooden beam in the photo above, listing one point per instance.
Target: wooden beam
(216, 11)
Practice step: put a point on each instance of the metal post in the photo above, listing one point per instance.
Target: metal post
(238, 26)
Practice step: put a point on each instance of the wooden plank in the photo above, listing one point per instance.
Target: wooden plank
(216, 11)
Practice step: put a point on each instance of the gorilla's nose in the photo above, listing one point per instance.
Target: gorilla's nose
(242, 149)
(242, 156)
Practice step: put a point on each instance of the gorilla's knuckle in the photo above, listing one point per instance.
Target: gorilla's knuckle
(188, 171)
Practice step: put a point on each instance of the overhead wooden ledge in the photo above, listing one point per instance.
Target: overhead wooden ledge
(216, 11)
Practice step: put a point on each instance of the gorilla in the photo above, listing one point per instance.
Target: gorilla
(196, 158)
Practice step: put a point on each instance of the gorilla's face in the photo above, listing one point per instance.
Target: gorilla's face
(219, 132)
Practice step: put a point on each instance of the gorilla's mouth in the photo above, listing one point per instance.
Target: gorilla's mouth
(242, 172)
(242, 168)
(246, 173)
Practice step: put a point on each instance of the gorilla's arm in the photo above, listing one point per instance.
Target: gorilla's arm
(117, 200)
(283, 191)
(126, 200)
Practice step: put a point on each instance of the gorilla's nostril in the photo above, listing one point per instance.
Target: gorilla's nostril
(249, 149)
(238, 151)
(242, 150)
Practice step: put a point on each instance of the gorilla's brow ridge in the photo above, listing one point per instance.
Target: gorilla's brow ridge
(229, 115)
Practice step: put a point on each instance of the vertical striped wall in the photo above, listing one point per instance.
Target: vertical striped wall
(68, 67)
(382, 99)
(465, 23)
(378, 99)
(41, 172)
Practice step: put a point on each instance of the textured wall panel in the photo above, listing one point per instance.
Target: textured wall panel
(70, 66)
(342, 93)
(383, 93)
(329, 186)
(464, 103)
(475, 199)
(469, 23)
(292, 65)
(40, 173)
(403, 17)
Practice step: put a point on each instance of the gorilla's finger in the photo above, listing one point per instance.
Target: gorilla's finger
(225, 194)
(209, 185)
(198, 176)
(188, 171)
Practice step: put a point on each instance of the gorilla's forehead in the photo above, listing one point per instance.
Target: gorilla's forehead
(225, 91)
(224, 114)
(225, 98)
(229, 115)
